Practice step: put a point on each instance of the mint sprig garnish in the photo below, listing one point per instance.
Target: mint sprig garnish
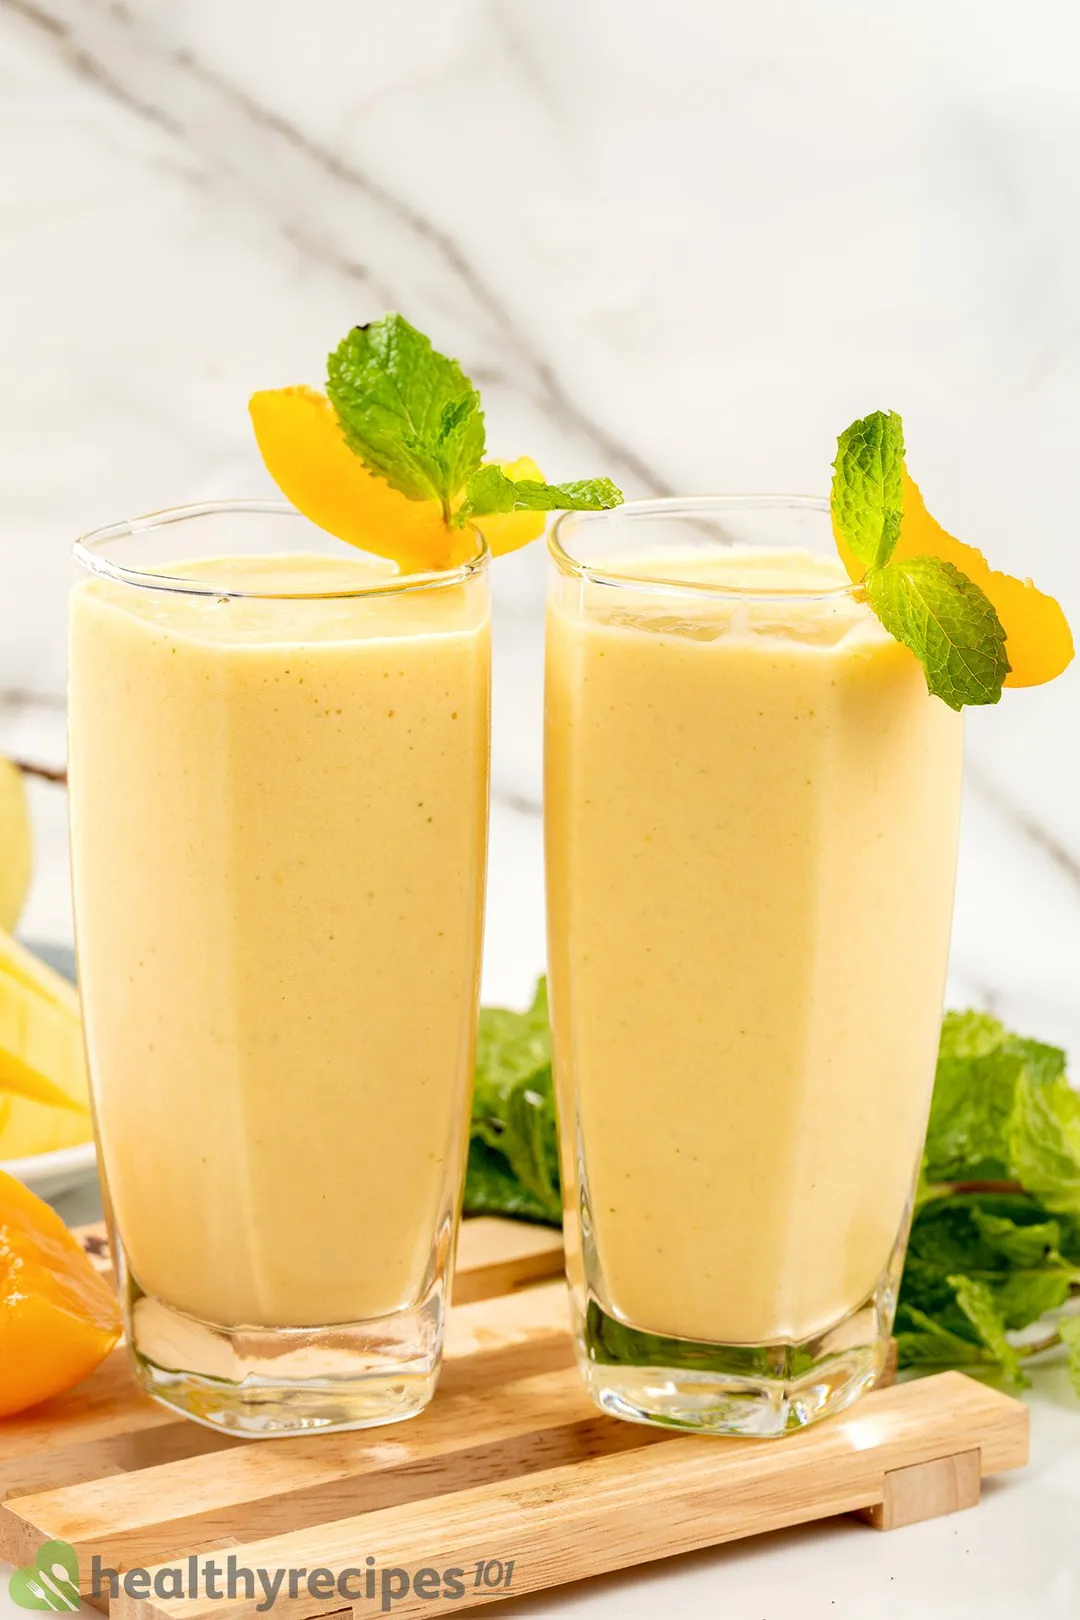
(414, 418)
(410, 413)
(947, 621)
(867, 487)
(490, 491)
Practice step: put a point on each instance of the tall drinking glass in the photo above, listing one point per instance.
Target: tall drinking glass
(752, 807)
(279, 778)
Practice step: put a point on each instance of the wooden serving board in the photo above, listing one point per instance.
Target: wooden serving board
(510, 1473)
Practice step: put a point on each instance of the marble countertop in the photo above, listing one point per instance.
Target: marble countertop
(680, 245)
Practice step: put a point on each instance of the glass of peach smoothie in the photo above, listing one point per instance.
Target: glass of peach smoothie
(752, 808)
(279, 783)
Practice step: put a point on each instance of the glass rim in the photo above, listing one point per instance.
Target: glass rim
(87, 556)
(691, 507)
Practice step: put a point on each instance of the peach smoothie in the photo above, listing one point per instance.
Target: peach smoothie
(752, 811)
(279, 809)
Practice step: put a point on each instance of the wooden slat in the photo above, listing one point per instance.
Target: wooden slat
(463, 1439)
(107, 1428)
(104, 1424)
(618, 1510)
(496, 1256)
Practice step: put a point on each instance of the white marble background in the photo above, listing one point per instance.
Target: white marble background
(681, 243)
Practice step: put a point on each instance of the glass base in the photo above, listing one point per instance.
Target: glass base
(257, 1382)
(757, 1391)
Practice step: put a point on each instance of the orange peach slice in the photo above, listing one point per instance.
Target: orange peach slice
(58, 1318)
(301, 442)
(1039, 643)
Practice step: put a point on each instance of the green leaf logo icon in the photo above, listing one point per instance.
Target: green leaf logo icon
(50, 1582)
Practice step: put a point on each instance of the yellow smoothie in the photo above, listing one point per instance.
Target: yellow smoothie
(752, 808)
(279, 810)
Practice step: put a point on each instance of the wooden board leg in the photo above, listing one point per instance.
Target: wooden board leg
(927, 1491)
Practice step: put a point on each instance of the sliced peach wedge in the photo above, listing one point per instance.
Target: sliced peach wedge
(58, 1318)
(1038, 643)
(301, 442)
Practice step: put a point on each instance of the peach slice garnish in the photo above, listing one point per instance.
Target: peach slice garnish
(301, 442)
(1039, 643)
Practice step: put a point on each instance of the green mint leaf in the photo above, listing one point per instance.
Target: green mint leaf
(1024, 1246)
(490, 491)
(514, 1130)
(945, 1237)
(967, 1134)
(926, 1343)
(512, 1049)
(1044, 1141)
(980, 1063)
(948, 622)
(979, 1306)
(970, 1034)
(492, 1188)
(531, 1143)
(455, 414)
(1027, 1296)
(1041, 1062)
(1069, 1328)
(867, 489)
(410, 413)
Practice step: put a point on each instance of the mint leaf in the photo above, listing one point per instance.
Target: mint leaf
(1069, 1328)
(1020, 1245)
(969, 1116)
(489, 491)
(410, 413)
(1026, 1296)
(1041, 1062)
(979, 1306)
(492, 1188)
(513, 1154)
(945, 1237)
(511, 1049)
(867, 489)
(929, 1344)
(970, 1034)
(1044, 1141)
(971, 1112)
(530, 1143)
(949, 623)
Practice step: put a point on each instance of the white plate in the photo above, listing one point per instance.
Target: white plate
(53, 1174)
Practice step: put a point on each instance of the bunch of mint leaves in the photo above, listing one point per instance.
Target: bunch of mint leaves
(414, 418)
(994, 1253)
(947, 621)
